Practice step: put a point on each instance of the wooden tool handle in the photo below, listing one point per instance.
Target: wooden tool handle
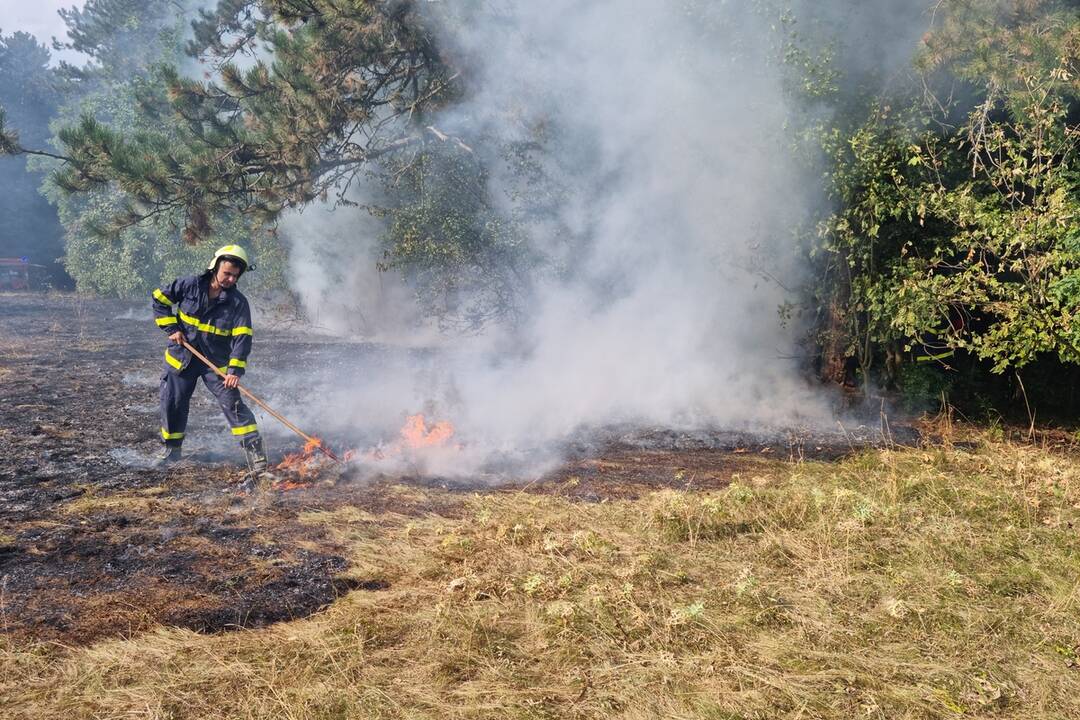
(248, 394)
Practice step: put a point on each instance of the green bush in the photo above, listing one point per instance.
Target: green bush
(923, 387)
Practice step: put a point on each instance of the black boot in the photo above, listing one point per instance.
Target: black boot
(169, 455)
(256, 455)
(256, 476)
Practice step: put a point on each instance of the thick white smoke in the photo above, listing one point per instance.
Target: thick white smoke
(333, 260)
(669, 122)
(686, 172)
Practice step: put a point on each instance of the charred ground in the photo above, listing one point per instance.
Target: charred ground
(95, 543)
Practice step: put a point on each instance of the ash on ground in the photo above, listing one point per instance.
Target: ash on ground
(96, 542)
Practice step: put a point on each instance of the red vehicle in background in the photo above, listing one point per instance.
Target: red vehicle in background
(15, 273)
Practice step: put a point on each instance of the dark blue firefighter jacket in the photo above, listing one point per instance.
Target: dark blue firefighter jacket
(220, 329)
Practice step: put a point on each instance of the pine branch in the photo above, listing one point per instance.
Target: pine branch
(9, 139)
(9, 142)
(278, 135)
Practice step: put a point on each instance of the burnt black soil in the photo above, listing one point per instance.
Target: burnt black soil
(94, 543)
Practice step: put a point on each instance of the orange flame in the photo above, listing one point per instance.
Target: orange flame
(414, 435)
(304, 464)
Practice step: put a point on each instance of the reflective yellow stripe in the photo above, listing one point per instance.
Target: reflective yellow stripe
(162, 298)
(233, 362)
(206, 327)
(245, 429)
(173, 361)
(199, 324)
(166, 435)
(163, 321)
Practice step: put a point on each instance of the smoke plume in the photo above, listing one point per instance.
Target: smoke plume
(670, 130)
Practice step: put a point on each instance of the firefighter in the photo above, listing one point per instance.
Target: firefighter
(214, 317)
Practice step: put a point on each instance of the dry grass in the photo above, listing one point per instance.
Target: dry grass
(934, 583)
(145, 503)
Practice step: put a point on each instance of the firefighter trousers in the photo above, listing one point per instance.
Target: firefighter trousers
(176, 390)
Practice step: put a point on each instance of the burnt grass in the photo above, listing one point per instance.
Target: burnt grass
(93, 544)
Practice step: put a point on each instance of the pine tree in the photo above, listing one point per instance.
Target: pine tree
(348, 83)
(27, 101)
(118, 36)
(110, 248)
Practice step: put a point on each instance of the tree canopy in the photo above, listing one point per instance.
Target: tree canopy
(27, 102)
(333, 86)
(950, 237)
(105, 250)
(958, 203)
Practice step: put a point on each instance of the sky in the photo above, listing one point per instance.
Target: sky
(38, 18)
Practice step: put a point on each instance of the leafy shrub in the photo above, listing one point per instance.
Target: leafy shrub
(922, 387)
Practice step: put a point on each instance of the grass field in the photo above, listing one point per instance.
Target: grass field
(937, 582)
